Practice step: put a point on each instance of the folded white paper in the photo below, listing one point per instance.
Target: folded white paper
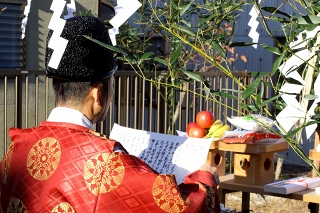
(167, 154)
(292, 185)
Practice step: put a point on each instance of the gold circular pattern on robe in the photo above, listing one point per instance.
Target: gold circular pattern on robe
(64, 207)
(43, 158)
(16, 206)
(103, 173)
(167, 196)
(6, 163)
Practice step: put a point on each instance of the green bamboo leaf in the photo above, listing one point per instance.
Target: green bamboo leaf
(146, 56)
(310, 97)
(244, 106)
(311, 27)
(121, 58)
(186, 30)
(193, 75)
(277, 63)
(204, 20)
(217, 47)
(293, 81)
(227, 95)
(258, 98)
(316, 117)
(306, 20)
(275, 10)
(280, 20)
(292, 133)
(186, 23)
(253, 108)
(274, 50)
(115, 49)
(160, 61)
(184, 8)
(223, 94)
(176, 53)
(264, 103)
(173, 5)
(268, 84)
(241, 44)
(262, 89)
(251, 88)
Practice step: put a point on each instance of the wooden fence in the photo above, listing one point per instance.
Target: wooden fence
(26, 98)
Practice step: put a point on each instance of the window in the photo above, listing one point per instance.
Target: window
(106, 10)
(11, 44)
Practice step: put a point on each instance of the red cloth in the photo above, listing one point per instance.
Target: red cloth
(60, 167)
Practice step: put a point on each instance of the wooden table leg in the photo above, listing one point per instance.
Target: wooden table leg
(245, 201)
(314, 207)
(222, 196)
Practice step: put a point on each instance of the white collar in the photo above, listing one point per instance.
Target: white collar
(69, 115)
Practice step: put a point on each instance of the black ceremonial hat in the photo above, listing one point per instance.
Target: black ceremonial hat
(82, 60)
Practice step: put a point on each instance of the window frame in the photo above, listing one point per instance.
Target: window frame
(23, 4)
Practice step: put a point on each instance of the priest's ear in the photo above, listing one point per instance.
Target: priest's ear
(97, 92)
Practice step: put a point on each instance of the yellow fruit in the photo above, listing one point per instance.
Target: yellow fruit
(219, 132)
(214, 127)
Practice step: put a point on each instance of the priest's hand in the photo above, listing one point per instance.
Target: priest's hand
(213, 170)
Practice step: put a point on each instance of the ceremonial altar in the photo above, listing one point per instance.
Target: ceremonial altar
(254, 167)
(254, 163)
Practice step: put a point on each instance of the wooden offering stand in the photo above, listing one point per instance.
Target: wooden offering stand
(254, 163)
(217, 158)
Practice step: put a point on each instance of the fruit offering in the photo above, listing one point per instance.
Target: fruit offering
(197, 132)
(218, 132)
(206, 126)
(205, 119)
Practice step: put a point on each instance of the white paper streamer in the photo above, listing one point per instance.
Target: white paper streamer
(253, 23)
(123, 11)
(56, 24)
(291, 114)
(71, 8)
(310, 129)
(25, 19)
(302, 42)
(293, 62)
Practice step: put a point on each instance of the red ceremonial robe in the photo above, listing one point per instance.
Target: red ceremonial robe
(62, 167)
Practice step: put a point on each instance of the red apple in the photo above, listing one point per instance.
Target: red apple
(197, 132)
(205, 119)
(189, 126)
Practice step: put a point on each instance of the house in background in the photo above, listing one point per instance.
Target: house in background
(22, 54)
(27, 54)
(259, 59)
